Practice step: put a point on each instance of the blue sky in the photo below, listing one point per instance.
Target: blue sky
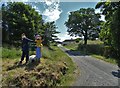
(67, 7)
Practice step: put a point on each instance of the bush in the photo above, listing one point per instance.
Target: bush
(99, 49)
(77, 40)
(92, 48)
(109, 52)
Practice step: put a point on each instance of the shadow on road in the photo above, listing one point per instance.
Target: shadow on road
(75, 53)
(116, 73)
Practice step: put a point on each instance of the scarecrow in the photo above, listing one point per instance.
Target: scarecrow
(25, 48)
(38, 40)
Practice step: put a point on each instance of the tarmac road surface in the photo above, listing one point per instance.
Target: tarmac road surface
(93, 72)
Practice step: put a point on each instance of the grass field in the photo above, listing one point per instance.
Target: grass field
(72, 46)
(110, 60)
(94, 48)
(55, 69)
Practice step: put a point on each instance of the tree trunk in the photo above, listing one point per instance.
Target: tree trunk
(85, 41)
(85, 38)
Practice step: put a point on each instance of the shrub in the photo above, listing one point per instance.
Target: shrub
(91, 48)
(109, 52)
(77, 40)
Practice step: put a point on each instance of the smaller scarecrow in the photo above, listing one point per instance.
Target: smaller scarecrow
(38, 40)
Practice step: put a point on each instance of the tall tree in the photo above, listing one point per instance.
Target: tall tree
(108, 9)
(18, 18)
(115, 31)
(111, 10)
(83, 22)
(49, 33)
(4, 23)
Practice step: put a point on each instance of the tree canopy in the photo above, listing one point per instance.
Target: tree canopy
(49, 33)
(111, 10)
(83, 22)
(18, 18)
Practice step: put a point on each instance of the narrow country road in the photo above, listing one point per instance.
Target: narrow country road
(93, 72)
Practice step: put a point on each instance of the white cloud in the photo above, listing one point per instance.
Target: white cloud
(52, 11)
(50, 16)
(36, 8)
(68, 13)
(48, 2)
(102, 16)
(97, 10)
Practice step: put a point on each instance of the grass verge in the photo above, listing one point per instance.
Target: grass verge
(93, 48)
(110, 60)
(55, 69)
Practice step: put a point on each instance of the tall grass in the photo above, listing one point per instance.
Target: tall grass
(55, 69)
(58, 57)
(46, 53)
(10, 53)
